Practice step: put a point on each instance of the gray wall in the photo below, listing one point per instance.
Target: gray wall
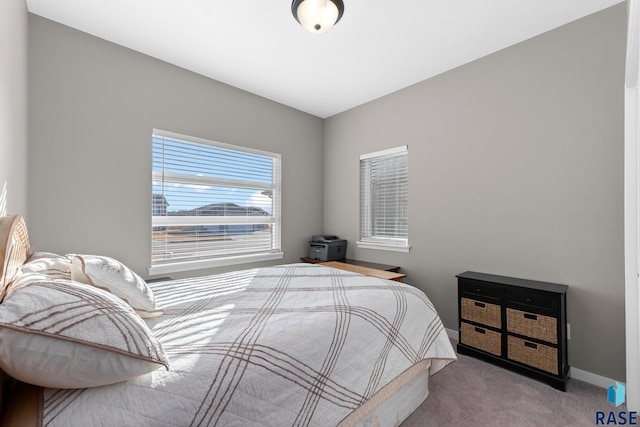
(516, 168)
(516, 163)
(13, 107)
(92, 108)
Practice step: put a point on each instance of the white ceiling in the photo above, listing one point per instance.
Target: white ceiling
(378, 47)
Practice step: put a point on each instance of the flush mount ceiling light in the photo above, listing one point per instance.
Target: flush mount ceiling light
(317, 16)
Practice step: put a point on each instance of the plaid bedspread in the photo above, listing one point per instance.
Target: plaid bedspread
(290, 345)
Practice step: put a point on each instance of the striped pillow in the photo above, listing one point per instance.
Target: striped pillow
(63, 334)
(52, 265)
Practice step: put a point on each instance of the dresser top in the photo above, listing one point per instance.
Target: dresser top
(513, 281)
(381, 274)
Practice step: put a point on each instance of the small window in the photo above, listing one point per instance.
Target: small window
(384, 200)
(213, 204)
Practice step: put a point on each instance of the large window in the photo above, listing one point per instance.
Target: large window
(213, 204)
(384, 200)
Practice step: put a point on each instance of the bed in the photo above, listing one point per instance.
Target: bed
(91, 343)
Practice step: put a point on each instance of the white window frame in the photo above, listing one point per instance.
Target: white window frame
(232, 259)
(367, 238)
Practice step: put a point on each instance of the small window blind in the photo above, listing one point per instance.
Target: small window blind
(212, 204)
(384, 199)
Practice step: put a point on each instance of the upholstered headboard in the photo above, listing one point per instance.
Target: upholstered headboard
(14, 249)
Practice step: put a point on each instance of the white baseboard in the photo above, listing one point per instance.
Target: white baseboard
(590, 378)
(578, 374)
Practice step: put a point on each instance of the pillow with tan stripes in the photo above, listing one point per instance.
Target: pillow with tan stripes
(62, 334)
(51, 265)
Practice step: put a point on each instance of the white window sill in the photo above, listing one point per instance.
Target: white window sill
(210, 263)
(383, 247)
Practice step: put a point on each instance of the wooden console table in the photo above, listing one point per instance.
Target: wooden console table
(374, 272)
(385, 267)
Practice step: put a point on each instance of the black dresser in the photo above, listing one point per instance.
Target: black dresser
(515, 323)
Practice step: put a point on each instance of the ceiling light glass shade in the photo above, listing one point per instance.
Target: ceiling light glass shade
(317, 16)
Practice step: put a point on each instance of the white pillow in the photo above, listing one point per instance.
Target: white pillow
(62, 334)
(113, 276)
(49, 264)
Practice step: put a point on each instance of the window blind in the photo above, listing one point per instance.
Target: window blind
(212, 201)
(384, 198)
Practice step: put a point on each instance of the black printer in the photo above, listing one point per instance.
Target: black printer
(327, 248)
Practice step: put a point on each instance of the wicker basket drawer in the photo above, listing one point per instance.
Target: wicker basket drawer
(483, 339)
(481, 312)
(532, 325)
(533, 354)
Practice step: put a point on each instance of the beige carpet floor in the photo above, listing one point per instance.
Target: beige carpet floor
(471, 392)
